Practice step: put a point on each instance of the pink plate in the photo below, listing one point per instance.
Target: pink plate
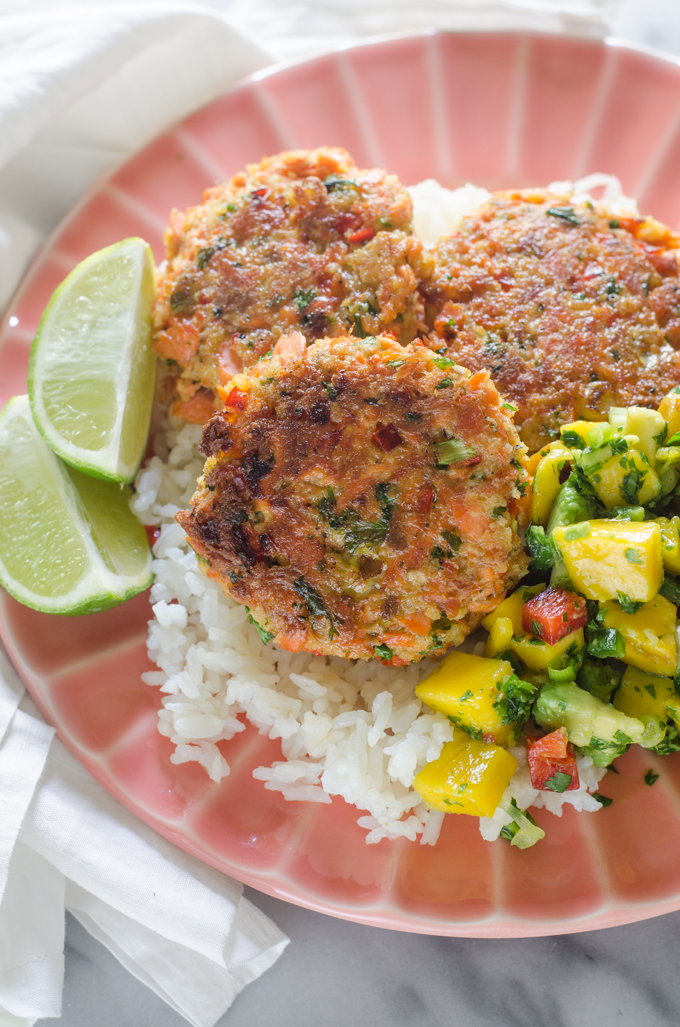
(496, 109)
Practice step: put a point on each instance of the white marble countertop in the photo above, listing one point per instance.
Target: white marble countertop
(338, 974)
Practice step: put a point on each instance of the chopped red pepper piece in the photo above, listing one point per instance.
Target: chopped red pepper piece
(361, 236)
(554, 613)
(237, 398)
(386, 436)
(153, 533)
(552, 763)
(425, 498)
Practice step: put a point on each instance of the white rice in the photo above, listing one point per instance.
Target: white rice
(354, 730)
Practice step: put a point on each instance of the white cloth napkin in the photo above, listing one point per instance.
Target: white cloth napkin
(81, 88)
(178, 925)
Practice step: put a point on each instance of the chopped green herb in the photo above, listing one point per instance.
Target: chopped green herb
(445, 383)
(559, 782)
(498, 511)
(266, 636)
(441, 624)
(627, 604)
(651, 777)
(315, 604)
(466, 695)
(453, 540)
(652, 690)
(332, 394)
(541, 548)
(203, 256)
(383, 651)
(413, 415)
(515, 701)
(443, 363)
(604, 800)
(302, 298)
(565, 213)
(633, 556)
(334, 182)
(631, 485)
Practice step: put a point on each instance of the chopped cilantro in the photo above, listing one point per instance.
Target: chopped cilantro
(466, 695)
(443, 363)
(453, 540)
(266, 636)
(627, 604)
(652, 690)
(604, 800)
(498, 511)
(651, 777)
(670, 590)
(203, 256)
(314, 603)
(383, 651)
(631, 485)
(445, 383)
(302, 298)
(515, 701)
(541, 548)
(413, 415)
(559, 782)
(332, 394)
(565, 214)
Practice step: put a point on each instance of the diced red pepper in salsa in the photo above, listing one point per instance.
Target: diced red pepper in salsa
(386, 436)
(237, 398)
(554, 613)
(552, 763)
(361, 236)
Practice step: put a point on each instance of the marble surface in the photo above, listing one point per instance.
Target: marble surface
(338, 974)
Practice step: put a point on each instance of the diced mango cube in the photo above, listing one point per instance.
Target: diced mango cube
(465, 688)
(512, 607)
(626, 480)
(546, 483)
(669, 408)
(500, 636)
(606, 557)
(640, 694)
(580, 428)
(537, 654)
(649, 634)
(469, 777)
(670, 543)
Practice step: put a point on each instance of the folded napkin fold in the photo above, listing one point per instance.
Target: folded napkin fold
(181, 927)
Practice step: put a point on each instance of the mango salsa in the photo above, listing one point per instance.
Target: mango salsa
(546, 483)
(649, 634)
(670, 543)
(649, 426)
(506, 632)
(669, 408)
(577, 428)
(469, 777)
(606, 557)
(642, 695)
(616, 482)
(467, 689)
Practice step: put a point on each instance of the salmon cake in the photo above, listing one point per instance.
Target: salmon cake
(571, 309)
(361, 498)
(302, 241)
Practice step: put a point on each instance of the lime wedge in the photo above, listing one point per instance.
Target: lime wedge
(69, 543)
(92, 372)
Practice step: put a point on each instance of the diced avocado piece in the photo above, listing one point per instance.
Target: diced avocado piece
(604, 557)
(572, 506)
(468, 777)
(597, 728)
(649, 634)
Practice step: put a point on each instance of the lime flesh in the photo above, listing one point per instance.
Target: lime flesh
(92, 371)
(69, 543)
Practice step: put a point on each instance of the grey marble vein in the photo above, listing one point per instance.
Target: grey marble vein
(337, 974)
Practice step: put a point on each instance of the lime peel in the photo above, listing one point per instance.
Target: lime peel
(92, 371)
(69, 543)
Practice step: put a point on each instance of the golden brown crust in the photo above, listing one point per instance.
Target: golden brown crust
(334, 507)
(571, 311)
(303, 241)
